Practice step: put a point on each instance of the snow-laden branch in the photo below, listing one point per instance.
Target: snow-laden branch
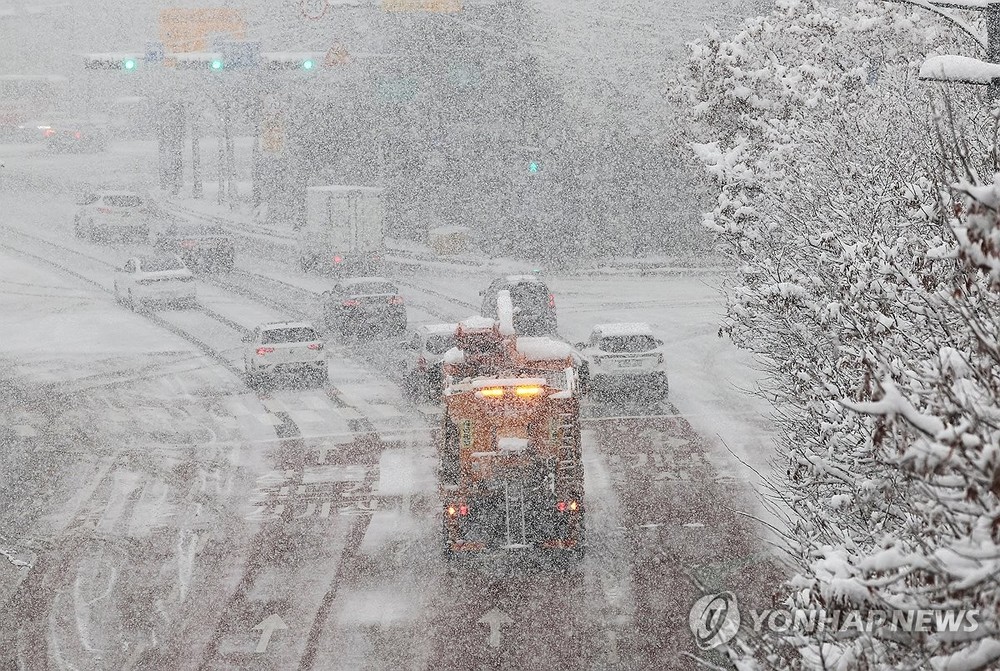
(892, 404)
(965, 26)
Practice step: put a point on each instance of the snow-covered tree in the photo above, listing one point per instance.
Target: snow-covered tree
(874, 306)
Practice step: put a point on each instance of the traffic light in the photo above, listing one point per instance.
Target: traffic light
(216, 64)
(534, 167)
(113, 61)
(305, 62)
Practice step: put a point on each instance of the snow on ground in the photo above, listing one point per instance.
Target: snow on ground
(55, 329)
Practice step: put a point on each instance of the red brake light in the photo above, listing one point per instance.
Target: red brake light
(552, 300)
(48, 132)
(561, 506)
(350, 303)
(77, 135)
(396, 300)
(261, 351)
(337, 259)
(315, 345)
(463, 510)
(188, 244)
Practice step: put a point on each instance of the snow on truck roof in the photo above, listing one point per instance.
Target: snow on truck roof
(477, 322)
(543, 349)
(624, 329)
(444, 329)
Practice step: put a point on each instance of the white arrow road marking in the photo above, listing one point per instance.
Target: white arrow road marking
(495, 619)
(267, 627)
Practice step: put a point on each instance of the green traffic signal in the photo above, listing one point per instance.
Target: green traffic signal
(534, 166)
(216, 64)
(129, 64)
(308, 64)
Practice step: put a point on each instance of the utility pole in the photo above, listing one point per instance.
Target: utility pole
(196, 187)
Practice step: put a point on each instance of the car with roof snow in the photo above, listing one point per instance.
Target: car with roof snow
(103, 215)
(277, 348)
(426, 349)
(154, 278)
(534, 305)
(364, 305)
(625, 359)
(203, 246)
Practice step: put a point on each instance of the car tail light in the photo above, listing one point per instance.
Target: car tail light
(396, 300)
(48, 132)
(104, 210)
(261, 351)
(350, 303)
(77, 135)
(188, 244)
(574, 506)
(552, 300)
(571, 506)
(422, 363)
(452, 511)
(463, 510)
(337, 259)
(561, 506)
(315, 345)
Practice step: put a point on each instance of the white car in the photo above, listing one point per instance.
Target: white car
(112, 214)
(161, 278)
(625, 359)
(280, 347)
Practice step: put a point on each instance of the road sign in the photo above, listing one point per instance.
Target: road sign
(336, 55)
(272, 136)
(185, 30)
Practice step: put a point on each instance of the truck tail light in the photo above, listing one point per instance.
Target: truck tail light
(315, 345)
(491, 392)
(528, 391)
(261, 351)
(338, 259)
(396, 300)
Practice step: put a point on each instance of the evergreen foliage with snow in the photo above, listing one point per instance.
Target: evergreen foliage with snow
(864, 230)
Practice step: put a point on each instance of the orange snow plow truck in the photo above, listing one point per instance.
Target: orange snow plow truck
(509, 467)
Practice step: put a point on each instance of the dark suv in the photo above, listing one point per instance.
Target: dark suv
(534, 305)
(363, 305)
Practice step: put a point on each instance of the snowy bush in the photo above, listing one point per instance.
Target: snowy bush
(867, 260)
